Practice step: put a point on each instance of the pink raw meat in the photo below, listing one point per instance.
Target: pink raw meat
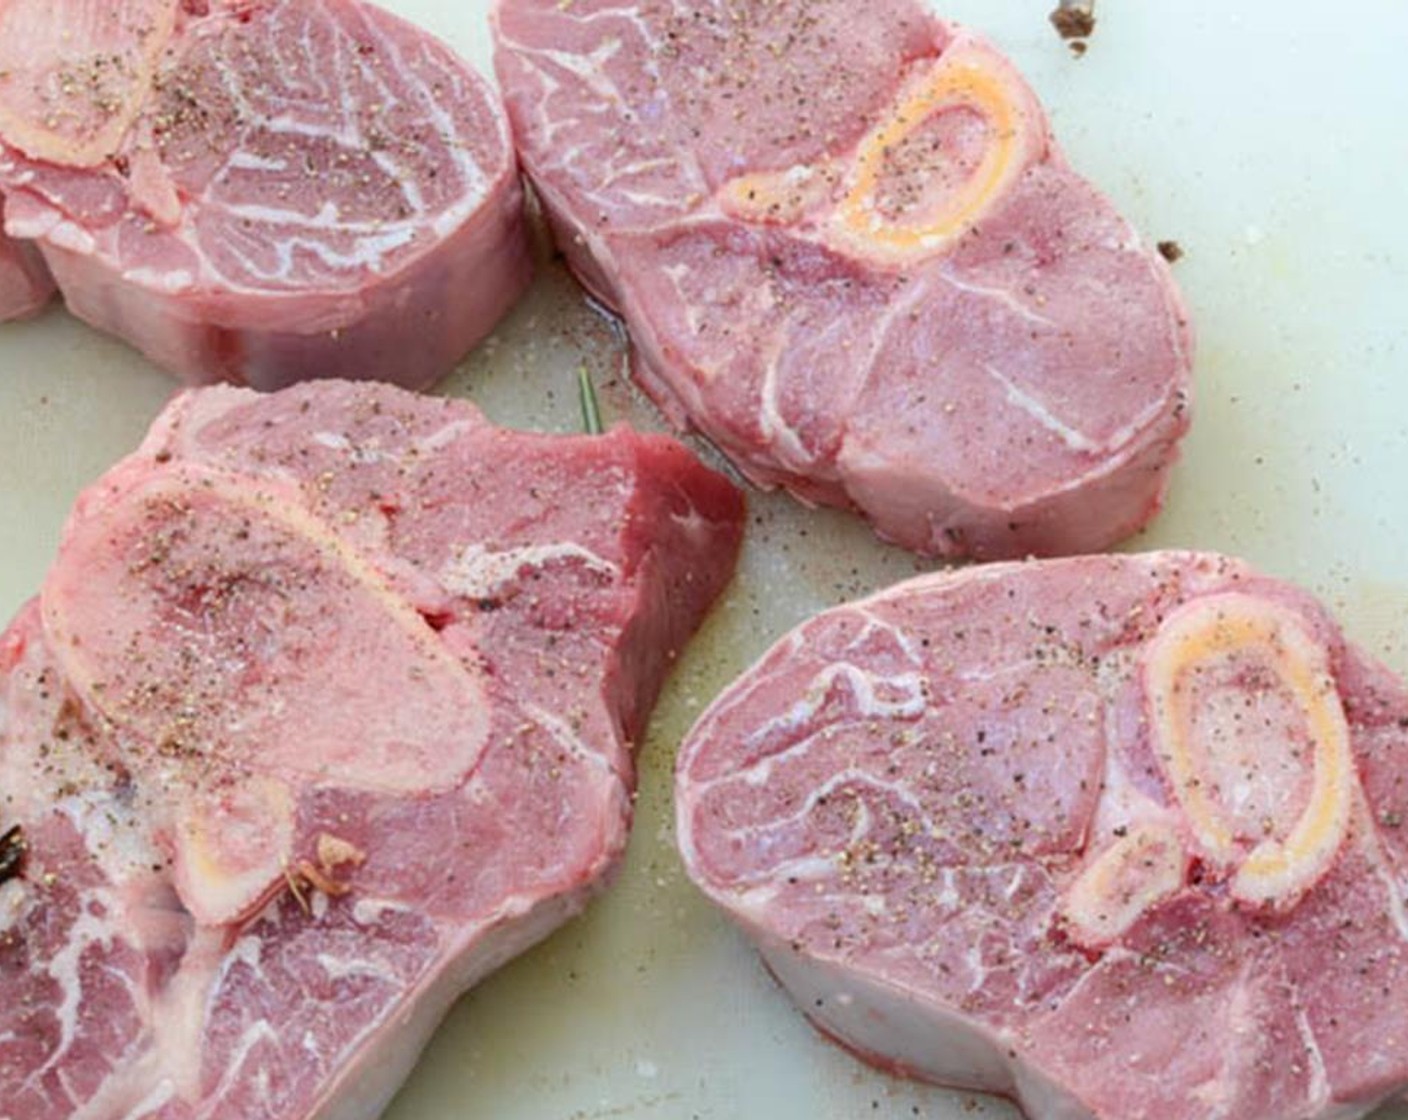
(261, 191)
(956, 822)
(325, 710)
(25, 283)
(748, 185)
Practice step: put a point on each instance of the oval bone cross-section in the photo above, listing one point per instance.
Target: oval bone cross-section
(1236, 639)
(261, 192)
(897, 165)
(849, 252)
(1117, 837)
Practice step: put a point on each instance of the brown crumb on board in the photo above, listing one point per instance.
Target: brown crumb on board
(1170, 250)
(1075, 20)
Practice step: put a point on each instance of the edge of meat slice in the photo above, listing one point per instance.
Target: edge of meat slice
(26, 287)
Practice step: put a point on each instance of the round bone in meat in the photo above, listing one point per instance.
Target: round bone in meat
(849, 252)
(1118, 837)
(261, 192)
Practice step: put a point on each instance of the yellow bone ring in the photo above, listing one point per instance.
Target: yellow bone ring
(1193, 640)
(1142, 867)
(967, 76)
(777, 197)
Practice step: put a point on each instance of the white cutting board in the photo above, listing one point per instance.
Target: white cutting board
(1268, 138)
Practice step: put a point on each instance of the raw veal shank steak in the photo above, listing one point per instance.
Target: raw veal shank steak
(848, 250)
(25, 283)
(1118, 837)
(324, 711)
(267, 191)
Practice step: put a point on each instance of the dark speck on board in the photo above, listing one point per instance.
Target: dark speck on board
(1074, 21)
